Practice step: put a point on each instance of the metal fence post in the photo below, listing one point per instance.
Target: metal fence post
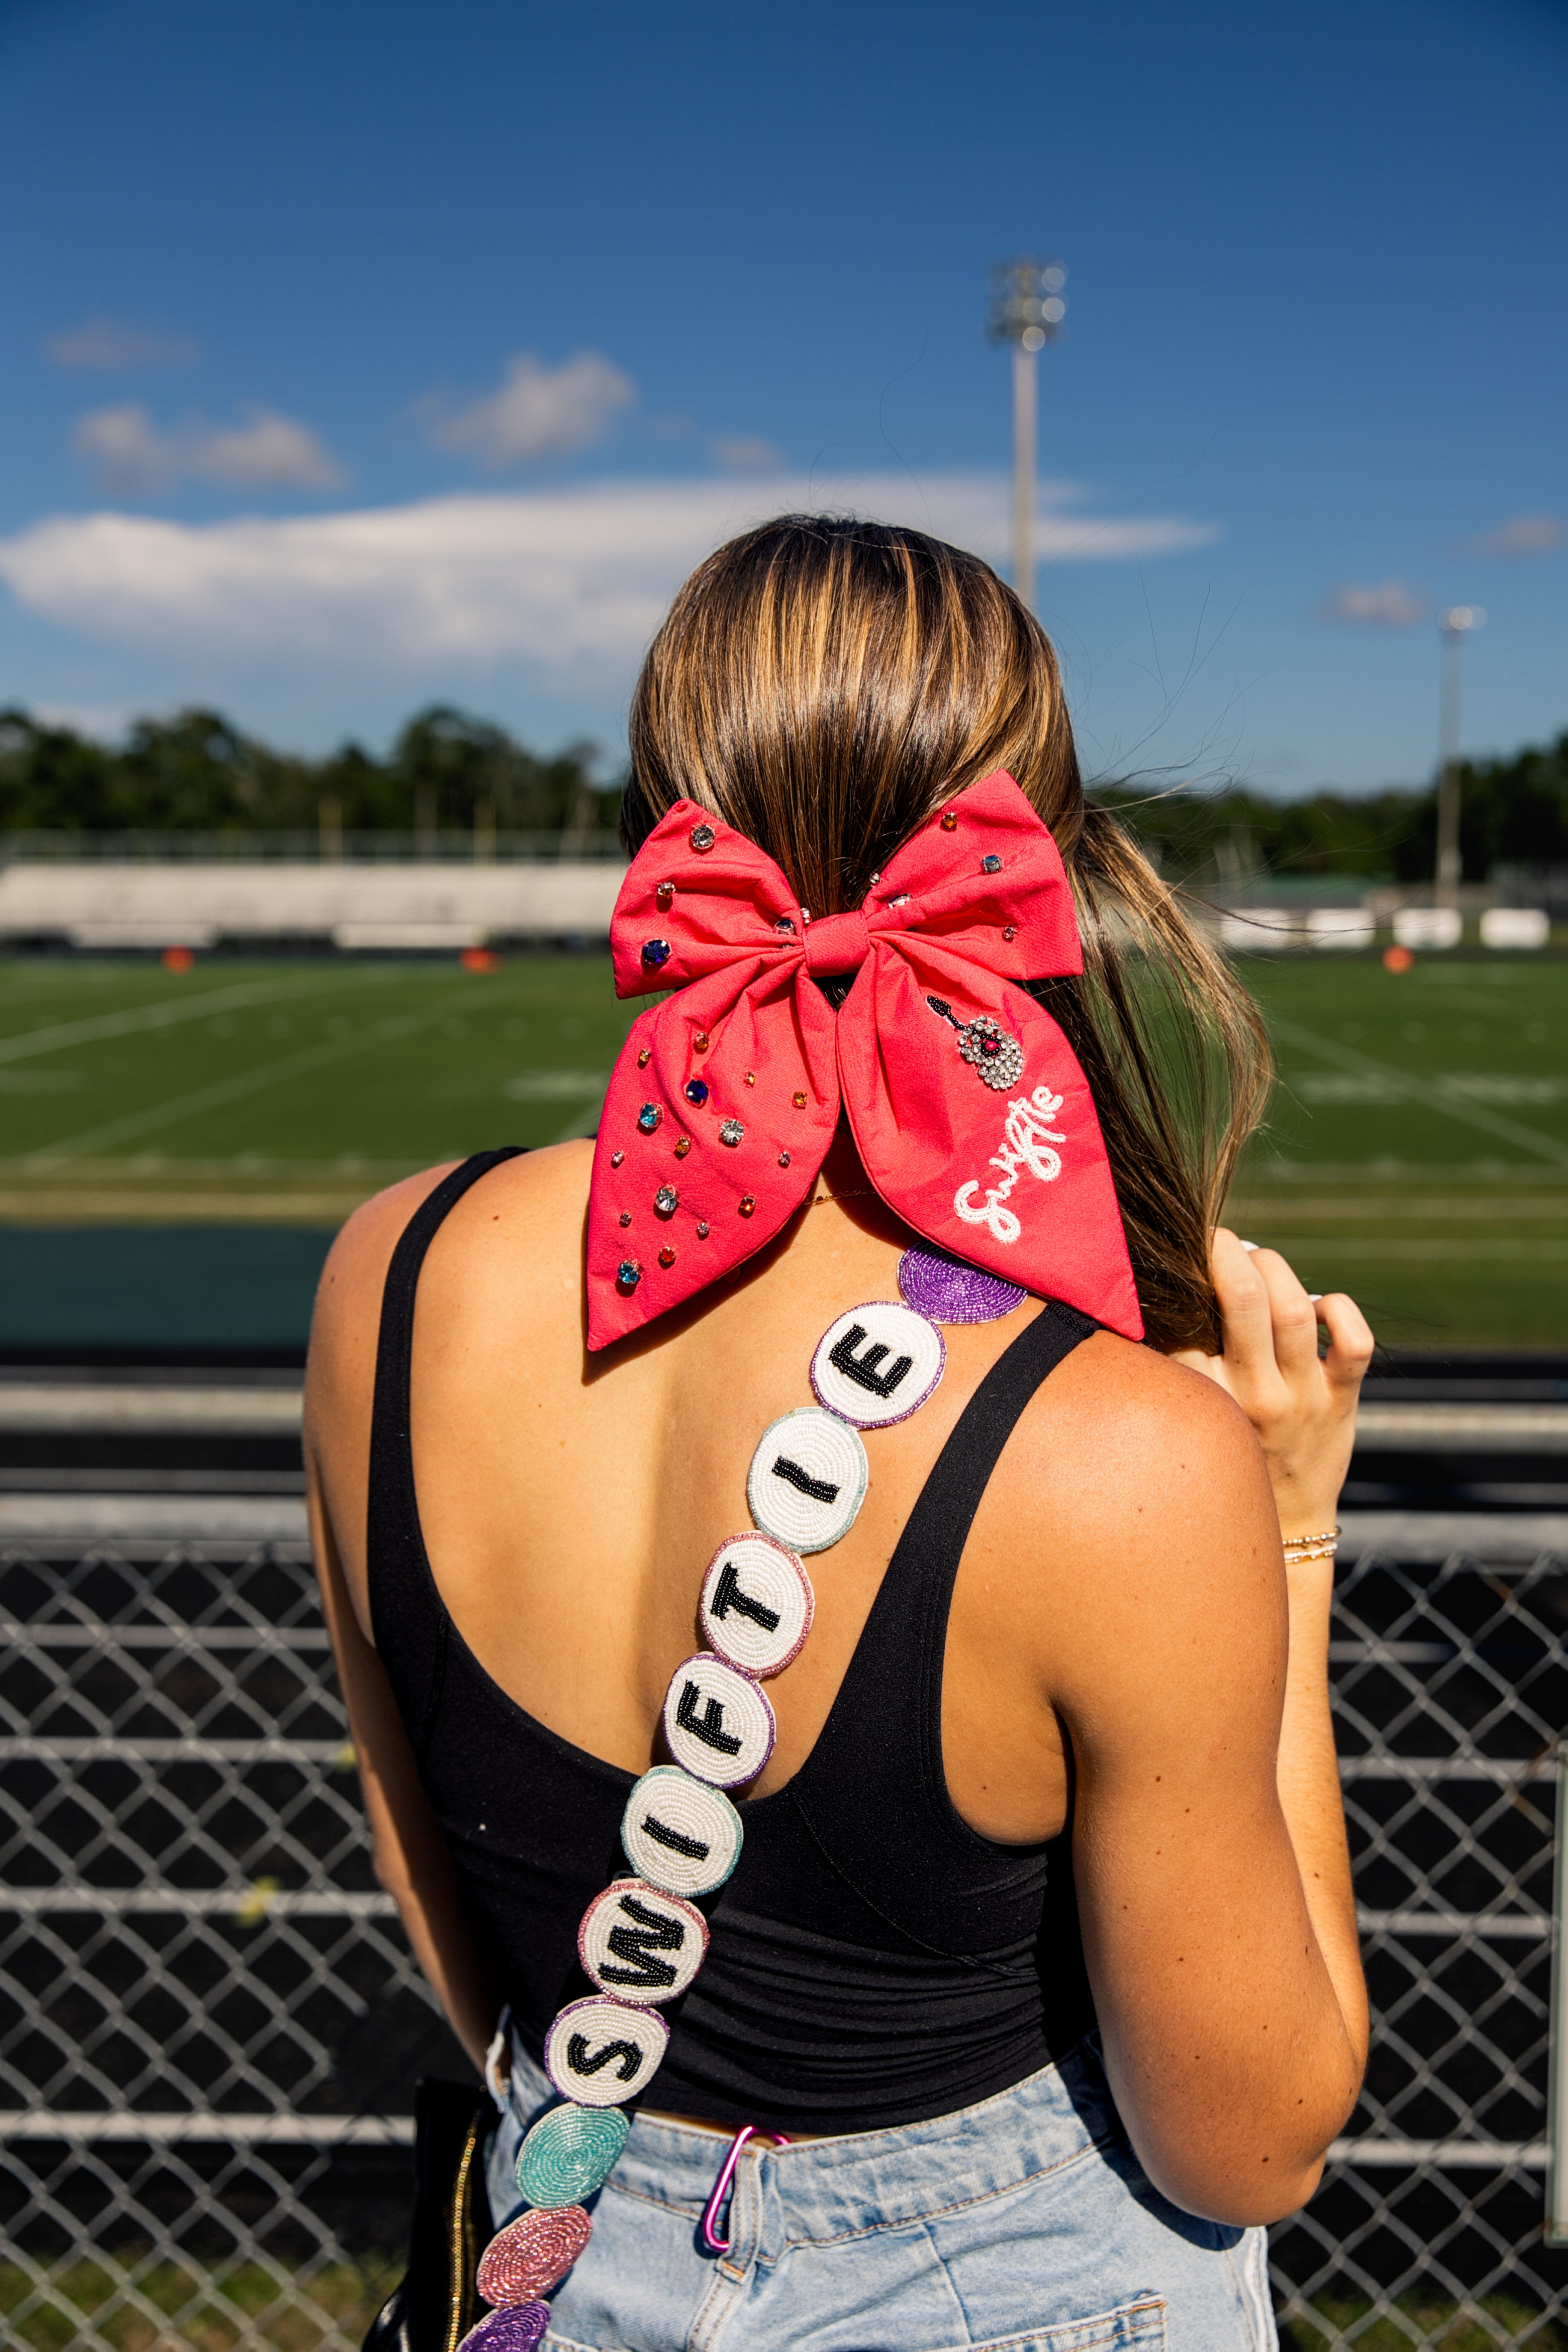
(1557, 2094)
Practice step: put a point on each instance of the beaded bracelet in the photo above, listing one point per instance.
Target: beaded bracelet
(1320, 1547)
(643, 1939)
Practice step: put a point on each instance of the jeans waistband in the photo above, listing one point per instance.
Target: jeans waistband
(820, 2190)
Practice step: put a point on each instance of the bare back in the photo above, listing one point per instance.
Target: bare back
(569, 1504)
(1116, 1648)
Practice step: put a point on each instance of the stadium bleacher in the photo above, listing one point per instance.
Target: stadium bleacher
(416, 905)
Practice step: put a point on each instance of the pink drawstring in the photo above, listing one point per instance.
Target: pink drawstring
(710, 2237)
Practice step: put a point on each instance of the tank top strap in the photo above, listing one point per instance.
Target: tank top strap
(884, 1732)
(408, 1616)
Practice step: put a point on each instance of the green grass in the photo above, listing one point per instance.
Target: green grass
(1417, 1151)
(1418, 1154)
(138, 2302)
(282, 1090)
(1423, 2323)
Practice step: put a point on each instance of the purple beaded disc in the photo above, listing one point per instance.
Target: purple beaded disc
(519, 2328)
(945, 1290)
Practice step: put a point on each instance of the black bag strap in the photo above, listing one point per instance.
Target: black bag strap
(437, 2302)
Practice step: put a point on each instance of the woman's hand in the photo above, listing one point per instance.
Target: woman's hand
(1302, 1405)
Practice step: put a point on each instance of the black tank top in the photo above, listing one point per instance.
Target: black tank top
(873, 1961)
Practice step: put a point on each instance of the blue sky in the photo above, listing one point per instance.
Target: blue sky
(359, 353)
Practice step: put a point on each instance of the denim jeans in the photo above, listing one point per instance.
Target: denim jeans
(1022, 2224)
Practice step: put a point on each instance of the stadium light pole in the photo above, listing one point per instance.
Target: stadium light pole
(1026, 308)
(1453, 626)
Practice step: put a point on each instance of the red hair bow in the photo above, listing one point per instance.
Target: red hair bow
(969, 1109)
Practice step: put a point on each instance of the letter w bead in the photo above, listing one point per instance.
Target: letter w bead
(728, 1595)
(708, 1726)
(866, 1370)
(639, 1945)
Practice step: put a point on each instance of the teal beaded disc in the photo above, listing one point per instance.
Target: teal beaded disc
(569, 2153)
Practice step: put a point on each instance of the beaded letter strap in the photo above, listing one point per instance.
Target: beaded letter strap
(643, 1939)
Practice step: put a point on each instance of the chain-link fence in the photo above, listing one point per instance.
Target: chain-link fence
(210, 2023)
(209, 2020)
(1452, 1696)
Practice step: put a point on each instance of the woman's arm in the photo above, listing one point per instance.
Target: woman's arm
(411, 1858)
(1208, 1843)
(1302, 1408)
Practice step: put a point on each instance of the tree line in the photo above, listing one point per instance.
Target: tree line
(1511, 813)
(197, 772)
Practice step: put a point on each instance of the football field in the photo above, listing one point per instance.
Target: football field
(285, 1090)
(1416, 1154)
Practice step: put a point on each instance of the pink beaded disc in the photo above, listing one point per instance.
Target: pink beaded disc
(533, 2253)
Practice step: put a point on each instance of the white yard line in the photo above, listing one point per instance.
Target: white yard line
(51, 1202)
(1431, 1097)
(1541, 1251)
(1461, 1000)
(234, 1089)
(1399, 1175)
(1397, 1208)
(169, 1010)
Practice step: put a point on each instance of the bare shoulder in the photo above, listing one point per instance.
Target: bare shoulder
(1149, 1431)
(513, 1239)
(347, 1313)
(508, 1259)
(524, 1213)
(1141, 1521)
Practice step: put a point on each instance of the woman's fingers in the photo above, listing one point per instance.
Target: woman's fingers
(1302, 1406)
(1270, 1362)
(1293, 1317)
(1247, 1321)
(1351, 1341)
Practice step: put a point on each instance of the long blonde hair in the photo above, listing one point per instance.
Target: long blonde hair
(824, 686)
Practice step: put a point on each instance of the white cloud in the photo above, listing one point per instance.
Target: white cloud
(268, 452)
(113, 347)
(538, 412)
(576, 580)
(124, 449)
(1390, 606)
(745, 453)
(128, 453)
(1525, 534)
